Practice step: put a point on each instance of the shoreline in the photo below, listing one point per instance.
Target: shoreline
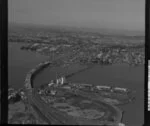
(29, 85)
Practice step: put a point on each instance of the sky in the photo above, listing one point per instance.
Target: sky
(109, 14)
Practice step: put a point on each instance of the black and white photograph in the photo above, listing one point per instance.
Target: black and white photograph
(76, 62)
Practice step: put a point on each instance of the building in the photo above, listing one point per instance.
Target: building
(103, 87)
(120, 89)
(58, 81)
(61, 81)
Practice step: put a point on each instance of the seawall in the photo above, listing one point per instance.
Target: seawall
(31, 74)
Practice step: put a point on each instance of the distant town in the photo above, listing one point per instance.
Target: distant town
(83, 47)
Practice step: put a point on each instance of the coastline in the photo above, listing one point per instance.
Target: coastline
(29, 87)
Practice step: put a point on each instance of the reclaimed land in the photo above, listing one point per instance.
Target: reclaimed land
(52, 115)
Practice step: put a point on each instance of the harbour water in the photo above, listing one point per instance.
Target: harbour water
(120, 76)
(21, 62)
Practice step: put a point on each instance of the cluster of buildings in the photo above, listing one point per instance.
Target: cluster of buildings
(15, 95)
(99, 55)
(47, 49)
(99, 87)
(112, 89)
(58, 81)
(96, 48)
(54, 83)
(129, 56)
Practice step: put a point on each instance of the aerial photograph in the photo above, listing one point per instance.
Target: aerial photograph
(76, 62)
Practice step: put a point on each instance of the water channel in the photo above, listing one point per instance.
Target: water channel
(20, 62)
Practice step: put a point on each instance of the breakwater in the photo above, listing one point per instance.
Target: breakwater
(31, 75)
